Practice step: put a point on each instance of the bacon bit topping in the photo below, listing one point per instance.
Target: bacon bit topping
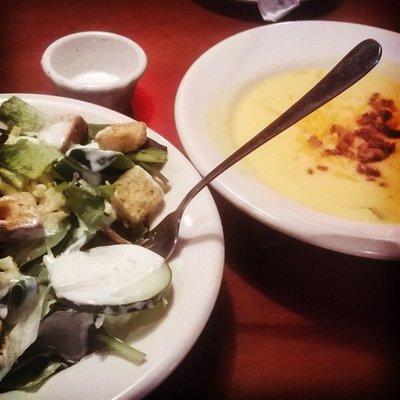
(390, 132)
(367, 170)
(314, 141)
(331, 152)
(370, 141)
(368, 153)
(367, 118)
(322, 167)
(377, 103)
(385, 115)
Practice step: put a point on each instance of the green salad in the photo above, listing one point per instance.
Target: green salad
(75, 201)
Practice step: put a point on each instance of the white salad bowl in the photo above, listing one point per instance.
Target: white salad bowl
(223, 72)
(196, 277)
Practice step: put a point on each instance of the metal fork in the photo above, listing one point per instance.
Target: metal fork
(163, 238)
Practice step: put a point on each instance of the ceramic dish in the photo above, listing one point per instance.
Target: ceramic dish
(105, 72)
(197, 272)
(219, 76)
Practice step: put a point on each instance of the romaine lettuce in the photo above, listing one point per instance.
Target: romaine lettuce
(92, 165)
(87, 205)
(27, 158)
(15, 111)
(31, 375)
(12, 178)
(24, 310)
(26, 251)
(149, 155)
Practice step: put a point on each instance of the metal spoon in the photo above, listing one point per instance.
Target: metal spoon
(358, 62)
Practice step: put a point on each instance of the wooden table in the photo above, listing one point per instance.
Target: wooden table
(292, 321)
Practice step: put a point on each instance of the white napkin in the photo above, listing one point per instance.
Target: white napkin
(274, 10)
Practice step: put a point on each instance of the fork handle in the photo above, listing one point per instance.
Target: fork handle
(356, 64)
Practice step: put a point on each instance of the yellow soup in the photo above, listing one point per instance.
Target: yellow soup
(292, 165)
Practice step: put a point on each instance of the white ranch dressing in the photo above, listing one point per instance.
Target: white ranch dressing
(98, 159)
(56, 134)
(109, 275)
(95, 78)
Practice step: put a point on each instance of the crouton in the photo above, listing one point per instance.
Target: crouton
(19, 218)
(136, 195)
(122, 137)
(66, 131)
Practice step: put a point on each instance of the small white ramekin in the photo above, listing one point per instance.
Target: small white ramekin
(99, 67)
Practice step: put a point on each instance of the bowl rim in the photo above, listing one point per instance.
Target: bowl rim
(67, 83)
(312, 224)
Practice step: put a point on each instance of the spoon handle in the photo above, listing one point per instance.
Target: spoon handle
(357, 63)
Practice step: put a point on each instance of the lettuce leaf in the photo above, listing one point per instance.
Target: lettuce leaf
(149, 155)
(29, 374)
(104, 158)
(107, 191)
(109, 165)
(151, 152)
(15, 111)
(21, 326)
(87, 205)
(51, 368)
(26, 251)
(12, 178)
(120, 347)
(27, 158)
(68, 168)
(3, 135)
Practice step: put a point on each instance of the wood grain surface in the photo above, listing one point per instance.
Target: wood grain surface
(292, 321)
